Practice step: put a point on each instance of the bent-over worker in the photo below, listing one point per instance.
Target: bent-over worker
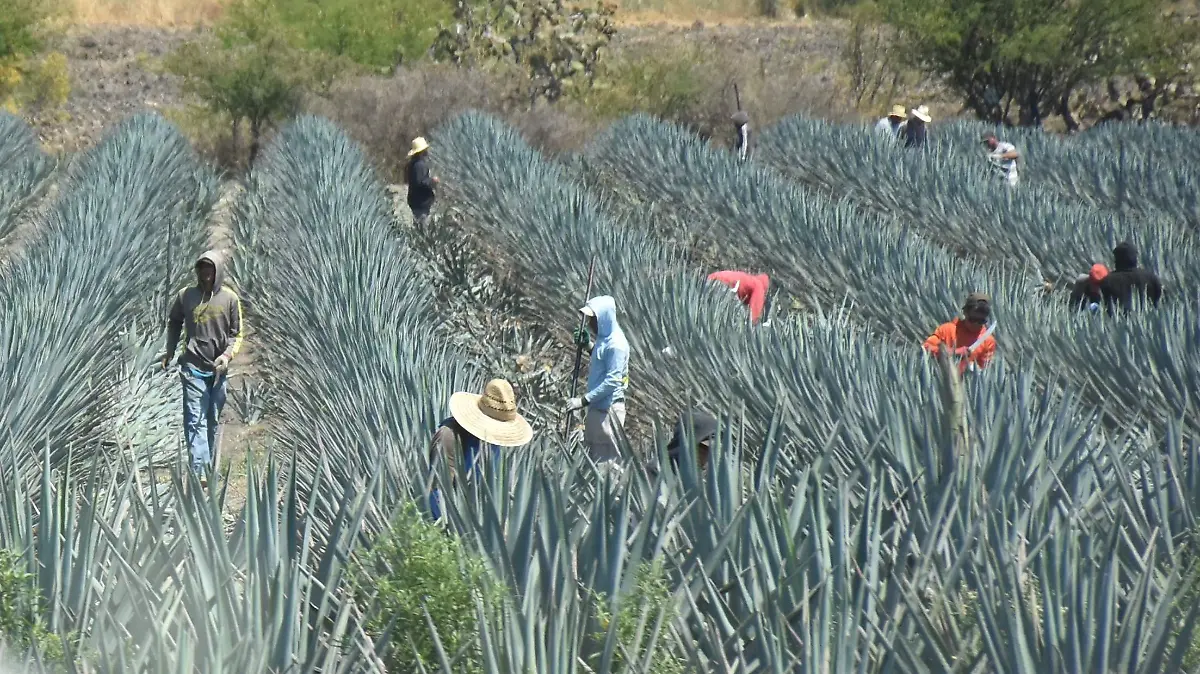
(608, 376)
(1004, 156)
(962, 335)
(705, 427)
(1128, 280)
(1085, 294)
(751, 289)
(477, 424)
(210, 316)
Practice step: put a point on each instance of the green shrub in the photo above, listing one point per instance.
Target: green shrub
(380, 34)
(20, 612)
(669, 85)
(649, 596)
(414, 567)
(26, 79)
(19, 20)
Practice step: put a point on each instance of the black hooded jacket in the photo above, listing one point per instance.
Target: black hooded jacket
(1127, 279)
(420, 184)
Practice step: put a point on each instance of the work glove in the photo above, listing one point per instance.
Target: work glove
(962, 352)
(576, 404)
(165, 362)
(581, 337)
(221, 364)
(1093, 307)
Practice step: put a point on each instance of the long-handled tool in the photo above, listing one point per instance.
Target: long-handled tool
(979, 342)
(579, 347)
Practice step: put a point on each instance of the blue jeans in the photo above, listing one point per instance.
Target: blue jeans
(469, 466)
(203, 399)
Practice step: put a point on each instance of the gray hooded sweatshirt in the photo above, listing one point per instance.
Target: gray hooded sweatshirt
(213, 323)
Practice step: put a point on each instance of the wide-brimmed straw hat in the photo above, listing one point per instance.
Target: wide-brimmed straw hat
(922, 113)
(897, 111)
(419, 144)
(492, 417)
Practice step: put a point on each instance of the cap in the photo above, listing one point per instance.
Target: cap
(975, 298)
(588, 311)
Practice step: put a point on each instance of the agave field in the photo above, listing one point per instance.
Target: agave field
(863, 511)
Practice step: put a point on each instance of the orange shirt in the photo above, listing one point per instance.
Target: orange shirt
(959, 334)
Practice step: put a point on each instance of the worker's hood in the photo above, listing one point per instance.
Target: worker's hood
(218, 262)
(605, 309)
(1125, 257)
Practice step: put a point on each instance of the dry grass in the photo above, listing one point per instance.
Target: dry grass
(186, 13)
(156, 13)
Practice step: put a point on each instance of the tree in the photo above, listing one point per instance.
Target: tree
(1018, 61)
(248, 71)
(556, 45)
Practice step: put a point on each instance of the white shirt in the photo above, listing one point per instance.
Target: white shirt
(885, 126)
(1009, 165)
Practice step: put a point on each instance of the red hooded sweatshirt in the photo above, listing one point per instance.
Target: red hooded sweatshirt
(751, 289)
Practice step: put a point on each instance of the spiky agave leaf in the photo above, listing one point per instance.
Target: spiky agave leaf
(24, 169)
(786, 227)
(948, 194)
(96, 272)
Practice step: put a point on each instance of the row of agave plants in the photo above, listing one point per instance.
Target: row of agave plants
(84, 299)
(24, 170)
(901, 285)
(951, 196)
(849, 395)
(1042, 544)
(1149, 170)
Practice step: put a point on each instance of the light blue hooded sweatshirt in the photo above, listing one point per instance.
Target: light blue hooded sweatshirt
(608, 374)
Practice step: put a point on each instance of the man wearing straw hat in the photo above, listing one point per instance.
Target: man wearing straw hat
(914, 128)
(893, 124)
(476, 420)
(419, 180)
(608, 375)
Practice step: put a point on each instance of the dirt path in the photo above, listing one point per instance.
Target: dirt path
(245, 432)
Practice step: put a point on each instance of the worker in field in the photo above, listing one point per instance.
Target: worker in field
(893, 124)
(209, 314)
(1127, 280)
(704, 427)
(421, 182)
(741, 143)
(608, 377)
(751, 289)
(967, 337)
(915, 129)
(1085, 293)
(1003, 156)
(479, 424)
